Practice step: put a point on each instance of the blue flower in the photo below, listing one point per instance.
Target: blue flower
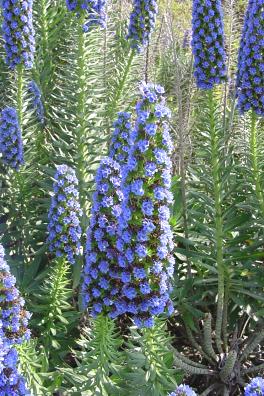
(36, 100)
(18, 32)
(208, 43)
(120, 139)
(13, 331)
(94, 9)
(11, 146)
(255, 387)
(183, 390)
(142, 23)
(64, 215)
(144, 217)
(102, 258)
(250, 81)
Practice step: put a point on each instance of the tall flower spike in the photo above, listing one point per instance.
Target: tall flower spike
(208, 43)
(36, 101)
(101, 274)
(11, 146)
(64, 215)
(145, 241)
(95, 10)
(13, 331)
(142, 22)
(18, 32)
(183, 390)
(255, 387)
(120, 140)
(250, 76)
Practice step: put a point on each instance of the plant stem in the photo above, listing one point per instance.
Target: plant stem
(121, 86)
(81, 121)
(20, 86)
(218, 222)
(255, 161)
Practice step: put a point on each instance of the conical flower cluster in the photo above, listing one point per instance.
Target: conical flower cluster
(95, 11)
(64, 215)
(129, 242)
(208, 43)
(13, 331)
(145, 242)
(142, 22)
(18, 32)
(250, 80)
(11, 146)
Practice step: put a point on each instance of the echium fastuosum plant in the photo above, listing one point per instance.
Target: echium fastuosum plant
(142, 22)
(64, 215)
(145, 240)
(250, 85)
(11, 145)
(18, 32)
(208, 43)
(94, 11)
(13, 331)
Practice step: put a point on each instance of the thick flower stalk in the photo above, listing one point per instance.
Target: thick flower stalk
(64, 215)
(18, 32)
(36, 101)
(13, 331)
(250, 80)
(183, 390)
(255, 387)
(145, 237)
(11, 146)
(208, 43)
(94, 9)
(103, 268)
(142, 22)
(120, 140)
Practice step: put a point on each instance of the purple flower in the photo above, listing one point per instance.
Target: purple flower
(255, 387)
(120, 139)
(94, 10)
(64, 215)
(183, 390)
(103, 265)
(11, 145)
(250, 80)
(208, 43)
(18, 32)
(13, 331)
(148, 249)
(142, 23)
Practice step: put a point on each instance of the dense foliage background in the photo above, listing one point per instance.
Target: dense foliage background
(217, 215)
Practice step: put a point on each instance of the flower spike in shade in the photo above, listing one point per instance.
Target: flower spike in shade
(11, 146)
(145, 243)
(13, 331)
(95, 10)
(208, 43)
(103, 269)
(120, 140)
(64, 215)
(255, 387)
(18, 32)
(250, 75)
(183, 390)
(142, 22)
(36, 99)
